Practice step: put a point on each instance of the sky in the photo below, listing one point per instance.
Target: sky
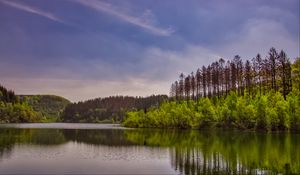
(83, 49)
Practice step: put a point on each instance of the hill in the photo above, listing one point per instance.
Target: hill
(109, 109)
(50, 106)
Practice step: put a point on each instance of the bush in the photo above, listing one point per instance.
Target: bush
(206, 112)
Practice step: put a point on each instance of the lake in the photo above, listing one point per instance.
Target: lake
(58, 148)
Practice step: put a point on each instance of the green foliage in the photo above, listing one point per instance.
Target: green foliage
(293, 100)
(18, 112)
(246, 114)
(207, 114)
(50, 106)
(29, 108)
(250, 95)
(231, 115)
(12, 110)
(262, 121)
(264, 112)
(296, 74)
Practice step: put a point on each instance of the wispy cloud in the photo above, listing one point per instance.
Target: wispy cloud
(33, 10)
(138, 21)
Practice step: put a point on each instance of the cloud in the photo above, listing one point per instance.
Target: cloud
(258, 36)
(86, 65)
(156, 69)
(166, 65)
(33, 10)
(143, 22)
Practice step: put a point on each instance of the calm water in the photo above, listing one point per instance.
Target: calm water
(110, 149)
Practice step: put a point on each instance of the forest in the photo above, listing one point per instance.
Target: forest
(13, 110)
(110, 109)
(30, 108)
(260, 94)
(256, 94)
(51, 108)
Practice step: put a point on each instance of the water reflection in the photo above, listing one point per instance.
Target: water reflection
(226, 152)
(189, 152)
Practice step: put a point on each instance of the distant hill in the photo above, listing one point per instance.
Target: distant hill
(109, 109)
(50, 106)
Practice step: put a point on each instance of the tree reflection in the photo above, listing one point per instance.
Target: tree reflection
(191, 151)
(226, 152)
(109, 137)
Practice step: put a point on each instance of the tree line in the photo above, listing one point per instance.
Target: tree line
(50, 108)
(258, 75)
(7, 96)
(109, 109)
(261, 94)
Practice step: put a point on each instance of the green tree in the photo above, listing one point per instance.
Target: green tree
(296, 74)
(261, 114)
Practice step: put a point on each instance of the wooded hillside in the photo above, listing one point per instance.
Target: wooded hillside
(109, 109)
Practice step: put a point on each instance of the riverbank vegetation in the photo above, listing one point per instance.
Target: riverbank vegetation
(260, 94)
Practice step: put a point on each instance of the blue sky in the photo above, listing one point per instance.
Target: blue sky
(83, 49)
